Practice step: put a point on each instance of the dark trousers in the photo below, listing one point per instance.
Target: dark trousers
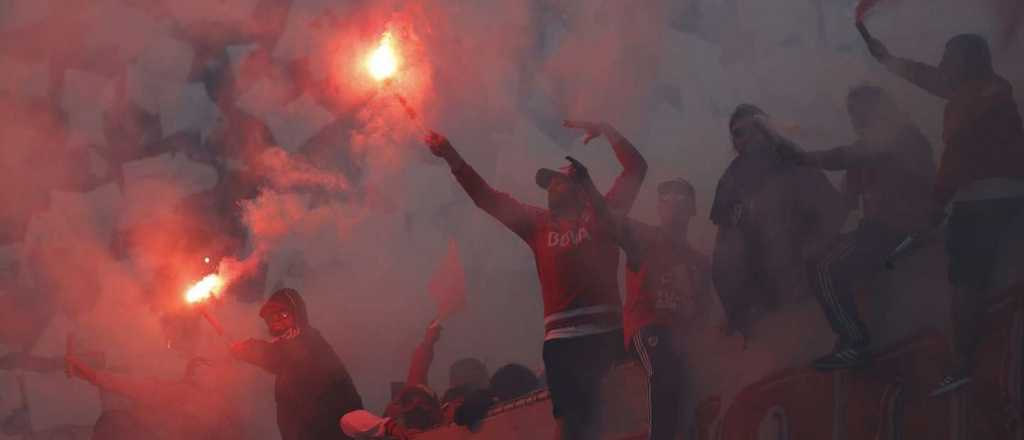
(854, 256)
(653, 346)
(576, 368)
(974, 239)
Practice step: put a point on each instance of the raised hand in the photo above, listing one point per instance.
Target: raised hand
(438, 144)
(591, 129)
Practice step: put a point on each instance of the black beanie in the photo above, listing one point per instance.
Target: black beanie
(744, 111)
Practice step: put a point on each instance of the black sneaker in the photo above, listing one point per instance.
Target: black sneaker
(950, 383)
(843, 359)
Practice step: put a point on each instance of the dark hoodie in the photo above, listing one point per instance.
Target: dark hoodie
(312, 388)
(982, 126)
(771, 215)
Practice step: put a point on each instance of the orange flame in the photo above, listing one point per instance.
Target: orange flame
(383, 62)
(208, 287)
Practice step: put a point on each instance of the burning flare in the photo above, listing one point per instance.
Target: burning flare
(383, 61)
(209, 286)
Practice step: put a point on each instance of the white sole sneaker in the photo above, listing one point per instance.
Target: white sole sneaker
(946, 388)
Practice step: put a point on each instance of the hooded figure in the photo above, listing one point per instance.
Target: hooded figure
(980, 179)
(771, 214)
(312, 388)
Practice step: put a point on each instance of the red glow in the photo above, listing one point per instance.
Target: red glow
(373, 63)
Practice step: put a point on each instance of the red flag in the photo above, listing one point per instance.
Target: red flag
(863, 6)
(448, 284)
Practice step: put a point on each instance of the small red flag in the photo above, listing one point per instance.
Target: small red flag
(448, 284)
(863, 6)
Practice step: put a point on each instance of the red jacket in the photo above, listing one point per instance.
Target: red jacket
(577, 260)
(983, 136)
(981, 128)
(665, 284)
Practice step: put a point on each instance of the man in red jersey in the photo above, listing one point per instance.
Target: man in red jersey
(666, 279)
(577, 258)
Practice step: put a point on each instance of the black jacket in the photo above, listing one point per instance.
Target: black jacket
(312, 388)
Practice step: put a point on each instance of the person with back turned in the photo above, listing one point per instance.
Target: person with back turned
(981, 173)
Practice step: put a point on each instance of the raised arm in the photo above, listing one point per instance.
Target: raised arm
(634, 168)
(259, 353)
(423, 356)
(927, 77)
(517, 216)
(634, 237)
(840, 158)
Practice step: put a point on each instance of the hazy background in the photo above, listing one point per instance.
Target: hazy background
(140, 136)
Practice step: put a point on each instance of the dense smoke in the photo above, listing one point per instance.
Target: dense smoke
(141, 137)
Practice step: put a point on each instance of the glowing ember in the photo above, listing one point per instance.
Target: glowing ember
(383, 61)
(209, 286)
(206, 260)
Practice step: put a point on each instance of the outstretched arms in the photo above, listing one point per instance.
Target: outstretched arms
(927, 77)
(506, 209)
(257, 352)
(839, 158)
(423, 357)
(627, 185)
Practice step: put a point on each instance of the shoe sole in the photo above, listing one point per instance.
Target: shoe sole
(824, 368)
(951, 387)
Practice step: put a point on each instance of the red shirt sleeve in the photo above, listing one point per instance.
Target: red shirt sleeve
(848, 156)
(927, 77)
(519, 217)
(627, 185)
(419, 366)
